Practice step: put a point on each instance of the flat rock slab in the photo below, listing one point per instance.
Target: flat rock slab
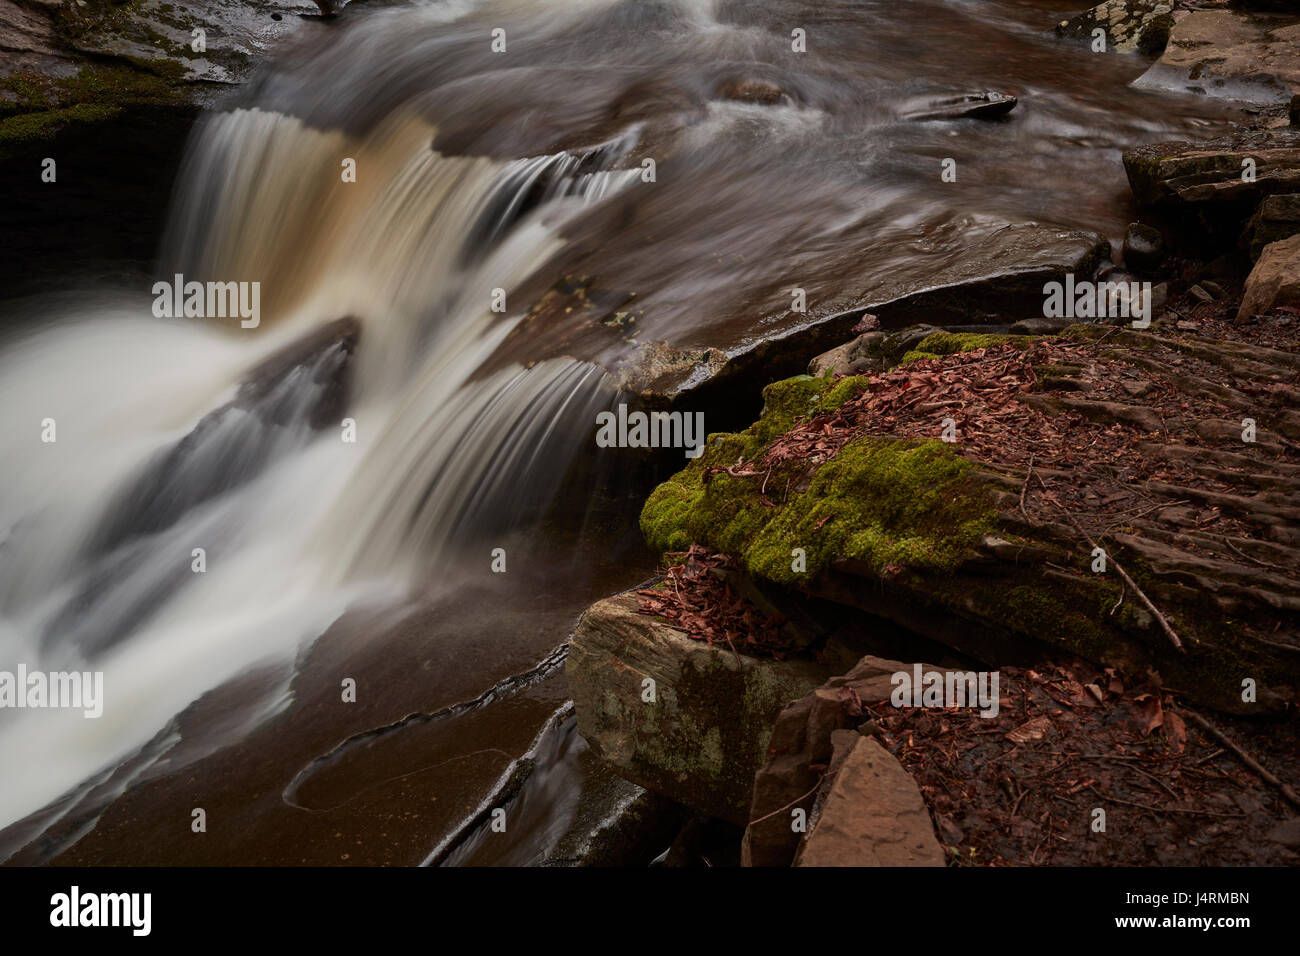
(870, 813)
(699, 732)
(1251, 58)
(994, 269)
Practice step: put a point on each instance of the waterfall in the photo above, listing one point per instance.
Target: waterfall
(175, 435)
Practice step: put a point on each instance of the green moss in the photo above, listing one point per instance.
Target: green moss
(27, 127)
(93, 95)
(948, 343)
(879, 501)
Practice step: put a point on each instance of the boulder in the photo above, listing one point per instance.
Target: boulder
(801, 739)
(986, 105)
(1131, 26)
(1275, 280)
(1197, 176)
(1144, 248)
(870, 812)
(699, 732)
(1278, 217)
(1236, 56)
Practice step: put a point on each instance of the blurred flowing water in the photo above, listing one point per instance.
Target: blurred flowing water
(478, 174)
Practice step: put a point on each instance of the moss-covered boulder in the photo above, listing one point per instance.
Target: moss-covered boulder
(968, 495)
(674, 715)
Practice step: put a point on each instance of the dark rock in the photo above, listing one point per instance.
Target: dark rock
(1287, 833)
(1293, 110)
(1278, 217)
(1131, 26)
(963, 106)
(1200, 294)
(1209, 190)
(1144, 248)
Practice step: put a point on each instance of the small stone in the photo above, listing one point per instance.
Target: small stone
(1039, 326)
(1144, 248)
(1187, 325)
(1287, 833)
(1200, 293)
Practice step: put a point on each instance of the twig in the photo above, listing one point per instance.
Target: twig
(796, 800)
(1245, 758)
(1160, 810)
(1164, 623)
(1025, 484)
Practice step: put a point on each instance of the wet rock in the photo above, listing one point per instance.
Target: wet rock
(1211, 189)
(1275, 280)
(753, 91)
(1131, 26)
(1039, 326)
(851, 358)
(1204, 174)
(1144, 247)
(1278, 217)
(989, 105)
(155, 40)
(870, 812)
(801, 739)
(1237, 56)
(699, 732)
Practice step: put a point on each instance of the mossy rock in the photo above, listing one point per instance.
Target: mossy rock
(881, 502)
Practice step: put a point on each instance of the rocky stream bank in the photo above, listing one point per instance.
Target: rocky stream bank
(1100, 509)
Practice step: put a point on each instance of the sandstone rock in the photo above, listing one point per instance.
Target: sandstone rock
(1236, 56)
(1275, 280)
(800, 739)
(870, 812)
(1131, 26)
(1278, 217)
(850, 358)
(1144, 247)
(705, 735)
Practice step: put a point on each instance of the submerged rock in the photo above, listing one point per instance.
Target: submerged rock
(1254, 59)
(672, 714)
(988, 105)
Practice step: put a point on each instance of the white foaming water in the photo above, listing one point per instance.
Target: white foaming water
(97, 575)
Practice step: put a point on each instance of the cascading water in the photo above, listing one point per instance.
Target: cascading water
(294, 521)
